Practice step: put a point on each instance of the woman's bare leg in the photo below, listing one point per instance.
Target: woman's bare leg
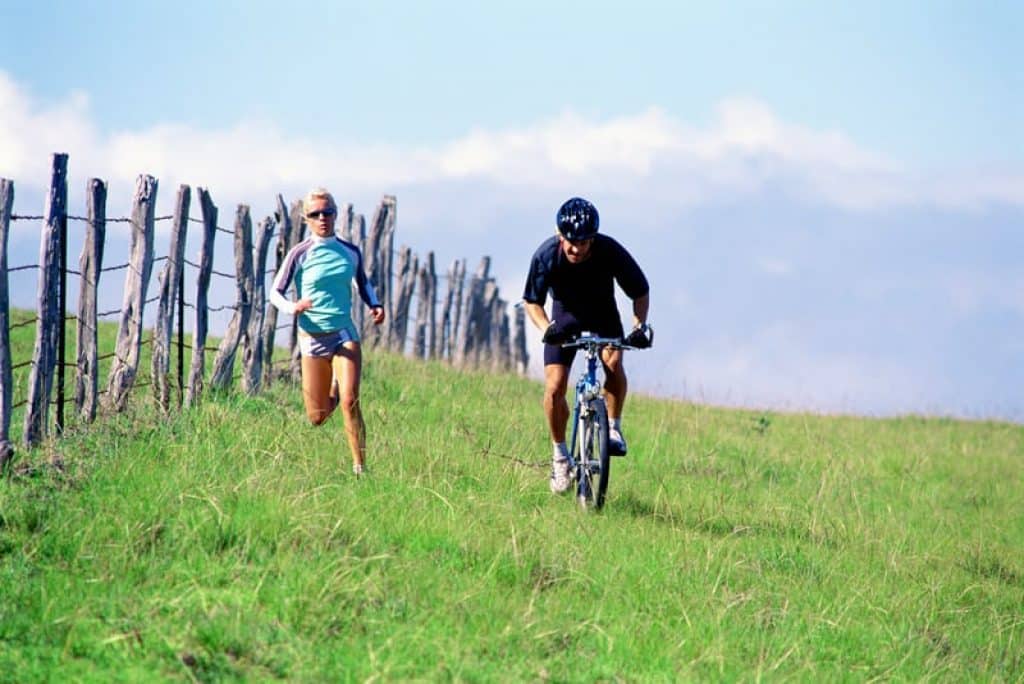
(348, 363)
(317, 376)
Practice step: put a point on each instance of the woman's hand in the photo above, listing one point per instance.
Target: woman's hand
(377, 313)
(303, 305)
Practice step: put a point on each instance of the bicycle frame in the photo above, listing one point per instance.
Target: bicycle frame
(589, 400)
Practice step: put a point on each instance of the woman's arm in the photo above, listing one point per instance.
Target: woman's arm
(278, 288)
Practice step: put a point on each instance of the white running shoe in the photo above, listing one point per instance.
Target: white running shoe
(358, 469)
(616, 443)
(560, 479)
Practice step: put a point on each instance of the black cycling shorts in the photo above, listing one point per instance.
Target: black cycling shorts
(607, 326)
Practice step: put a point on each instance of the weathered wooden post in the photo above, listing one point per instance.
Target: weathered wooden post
(284, 222)
(520, 357)
(501, 350)
(295, 356)
(352, 228)
(469, 340)
(224, 362)
(425, 345)
(6, 372)
(371, 335)
(453, 310)
(345, 220)
(197, 370)
(40, 381)
(181, 338)
(408, 265)
(431, 278)
(90, 264)
(444, 328)
(483, 351)
(169, 278)
(62, 325)
(252, 343)
(378, 267)
(387, 259)
(129, 335)
(359, 240)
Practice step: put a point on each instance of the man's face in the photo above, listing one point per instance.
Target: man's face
(576, 250)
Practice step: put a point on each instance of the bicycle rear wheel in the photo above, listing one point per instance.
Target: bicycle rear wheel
(593, 463)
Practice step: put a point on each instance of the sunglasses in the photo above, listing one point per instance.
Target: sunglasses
(323, 213)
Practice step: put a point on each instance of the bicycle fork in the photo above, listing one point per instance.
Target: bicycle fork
(581, 461)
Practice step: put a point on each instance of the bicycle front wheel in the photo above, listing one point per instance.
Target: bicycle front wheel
(594, 464)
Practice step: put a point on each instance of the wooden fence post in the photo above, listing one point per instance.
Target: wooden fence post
(252, 347)
(444, 329)
(408, 265)
(387, 258)
(90, 264)
(359, 240)
(500, 336)
(129, 335)
(345, 220)
(520, 357)
(169, 278)
(224, 362)
(284, 223)
(468, 349)
(378, 255)
(483, 350)
(62, 318)
(453, 310)
(381, 249)
(370, 335)
(294, 355)
(425, 346)
(6, 372)
(40, 381)
(198, 367)
(353, 229)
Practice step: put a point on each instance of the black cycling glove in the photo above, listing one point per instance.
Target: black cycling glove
(556, 334)
(641, 337)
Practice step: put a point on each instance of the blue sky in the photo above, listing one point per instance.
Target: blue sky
(828, 197)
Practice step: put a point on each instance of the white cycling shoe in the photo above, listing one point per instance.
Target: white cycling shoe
(616, 443)
(561, 480)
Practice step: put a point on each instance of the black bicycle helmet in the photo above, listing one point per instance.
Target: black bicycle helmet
(578, 219)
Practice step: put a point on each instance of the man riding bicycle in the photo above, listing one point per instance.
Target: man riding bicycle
(580, 268)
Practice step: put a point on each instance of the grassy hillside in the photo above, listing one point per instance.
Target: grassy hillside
(232, 542)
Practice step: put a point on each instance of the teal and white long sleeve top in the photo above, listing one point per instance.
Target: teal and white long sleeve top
(323, 270)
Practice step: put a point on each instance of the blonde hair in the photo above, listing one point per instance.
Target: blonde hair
(315, 194)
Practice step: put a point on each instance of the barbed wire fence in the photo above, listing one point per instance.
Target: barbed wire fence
(474, 328)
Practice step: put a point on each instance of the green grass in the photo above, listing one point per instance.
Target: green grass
(231, 542)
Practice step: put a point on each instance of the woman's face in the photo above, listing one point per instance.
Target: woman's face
(320, 217)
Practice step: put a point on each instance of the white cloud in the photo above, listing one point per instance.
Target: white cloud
(745, 149)
(29, 133)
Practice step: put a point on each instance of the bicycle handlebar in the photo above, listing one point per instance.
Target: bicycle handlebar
(587, 341)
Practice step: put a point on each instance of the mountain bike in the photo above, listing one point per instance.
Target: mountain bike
(589, 461)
